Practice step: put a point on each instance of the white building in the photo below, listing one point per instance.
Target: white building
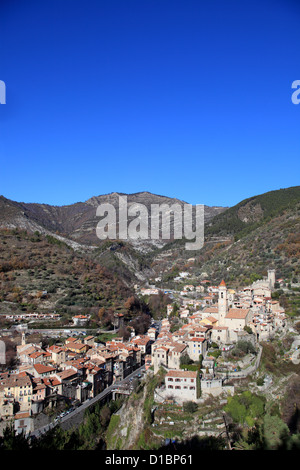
(180, 385)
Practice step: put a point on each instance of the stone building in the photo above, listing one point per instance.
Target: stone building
(180, 385)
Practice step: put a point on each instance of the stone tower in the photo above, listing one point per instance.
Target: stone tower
(23, 338)
(271, 277)
(222, 303)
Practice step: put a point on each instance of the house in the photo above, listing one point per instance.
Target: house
(89, 340)
(189, 287)
(169, 309)
(41, 370)
(142, 342)
(148, 361)
(78, 348)
(220, 334)
(214, 386)
(16, 389)
(58, 354)
(80, 320)
(209, 321)
(184, 313)
(167, 354)
(66, 383)
(23, 422)
(180, 385)
(39, 357)
(40, 389)
(95, 376)
(196, 347)
(25, 352)
(199, 289)
(151, 333)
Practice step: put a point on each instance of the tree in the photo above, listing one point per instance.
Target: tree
(190, 406)
(129, 303)
(185, 360)
(248, 329)
(101, 313)
(105, 415)
(275, 432)
(245, 408)
(13, 441)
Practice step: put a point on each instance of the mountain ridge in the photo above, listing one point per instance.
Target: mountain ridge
(259, 233)
(77, 221)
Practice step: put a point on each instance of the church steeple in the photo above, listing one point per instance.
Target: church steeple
(222, 303)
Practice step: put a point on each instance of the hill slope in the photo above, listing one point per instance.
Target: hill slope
(31, 264)
(254, 212)
(243, 241)
(78, 221)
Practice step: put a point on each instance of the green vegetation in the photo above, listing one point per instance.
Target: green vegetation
(111, 438)
(245, 408)
(257, 210)
(273, 359)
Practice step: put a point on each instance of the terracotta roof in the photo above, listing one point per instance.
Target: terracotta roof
(55, 348)
(22, 414)
(211, 319)
(71, 340)
(211, 310)
(223, 283)
(237, 313)
(67, 373)
(74, 345)
(201, 329)
(15, 380)
(41, 369)
(185, 374)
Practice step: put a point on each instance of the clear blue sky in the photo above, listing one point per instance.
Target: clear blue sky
(184, 98)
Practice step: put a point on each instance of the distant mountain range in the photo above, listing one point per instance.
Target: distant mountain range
(259, 232)
(77, 222)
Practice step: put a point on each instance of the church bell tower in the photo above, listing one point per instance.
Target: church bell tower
(222, 303)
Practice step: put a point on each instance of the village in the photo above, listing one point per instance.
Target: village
(80, 368)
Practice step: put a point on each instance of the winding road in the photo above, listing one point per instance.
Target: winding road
(74, 418)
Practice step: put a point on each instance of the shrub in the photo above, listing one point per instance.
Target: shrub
(190, 406)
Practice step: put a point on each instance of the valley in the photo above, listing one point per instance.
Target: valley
(79, 314)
